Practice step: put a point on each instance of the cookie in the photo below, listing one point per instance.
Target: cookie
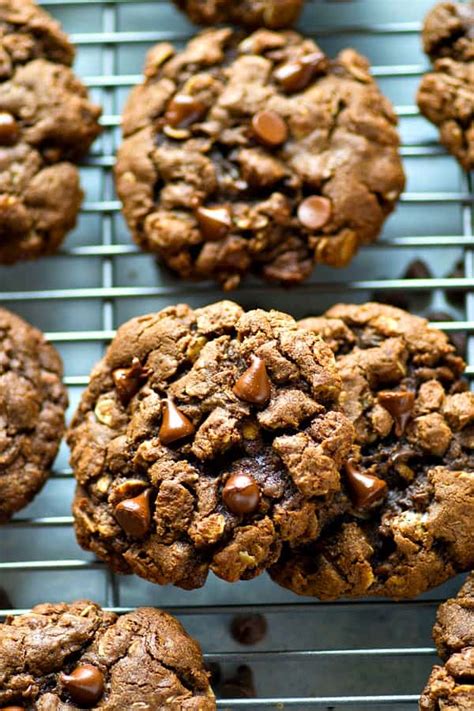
(47, 123)
(404, 521)
(446, 94)
(250, 13)
(205, 439)
(32, 404)
(450, 687)
(76, 656)
(256, 155)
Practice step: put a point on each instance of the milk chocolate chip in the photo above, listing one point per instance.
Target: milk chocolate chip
(85, 684)
(134, 515)
(315, 212)
(366, 490)
(241, 494)
(254, 385)
(175, 425)
(128, 381)
(184, 110)
(270, 128)
(215, 222)
(9, 129)
(399, 404)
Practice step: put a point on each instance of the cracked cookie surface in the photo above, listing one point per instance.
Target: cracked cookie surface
(446, 94)
(403, 522)
(47, 123)
(256, 154)
(64, 657)
(451, 687)
(32, 404)
(205, 439)
(273, 14)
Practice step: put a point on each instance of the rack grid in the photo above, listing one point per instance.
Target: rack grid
(357, 655)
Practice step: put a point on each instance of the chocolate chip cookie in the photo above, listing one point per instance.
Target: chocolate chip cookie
(446, 94)
(250, 13)
(205, 439)
(256, 155)
(404, 521)
(76, 656)
(47, 123)
(32, 404)
(451, 687)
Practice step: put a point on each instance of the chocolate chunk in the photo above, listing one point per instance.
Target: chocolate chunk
(175, 425)
(248, 629)
(417, 269)
(254, 385)
(215, 222)
(270, 128)
(9, 129)
(240, 686)
(241, 494)
(184, 110)
(400, 405)
(366, 490)
(134, 515)
(128, 381)
(295, 76)
(315, 212)
(85, 684)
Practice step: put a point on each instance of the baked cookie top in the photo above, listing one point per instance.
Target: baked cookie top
(256, 154)
(451, 686)
(205, 439)
(250, 13)
(404, 522)
(76, 656)
(32, 404)
(46, 121)
(446, 94)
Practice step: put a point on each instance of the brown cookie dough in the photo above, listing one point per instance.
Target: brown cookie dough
(32, 404)
(446, 94)
(61, 657)
(451, 687)
(256, 155)
(404, 521)
(250, 13)
(205, 439)
(47, 123)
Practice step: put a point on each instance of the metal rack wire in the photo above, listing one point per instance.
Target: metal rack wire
(360, 655)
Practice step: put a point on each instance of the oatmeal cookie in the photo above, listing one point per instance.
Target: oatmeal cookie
(75, 656)
(256, 155)
(451, 687)
(47, 123)
(250, 13)
(446, 94)
(404, 521)
(205, 439)
(32, 404)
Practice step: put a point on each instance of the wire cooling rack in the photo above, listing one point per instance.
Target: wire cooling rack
(362, 655)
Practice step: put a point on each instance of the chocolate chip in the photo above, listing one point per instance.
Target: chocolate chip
(295, 76)
(241, 494)
(85, 684)
(270, 128)
(184, 110)
(134, 515)
(365, 489)
(399, 403)
(254, 385)
(128, 381)
(417, 269)
(215, 222)
(240, 686)
(175, 425)
(248, 629)
(9, 129)
(315, 212)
